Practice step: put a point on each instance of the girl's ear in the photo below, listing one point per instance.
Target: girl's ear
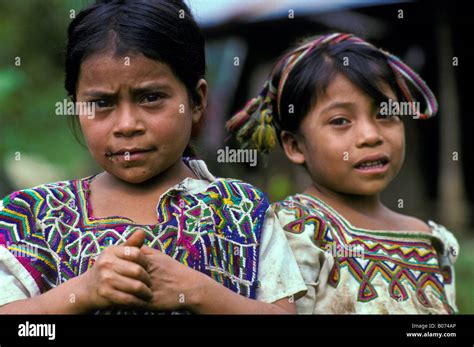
(198, 110)
(292, 146)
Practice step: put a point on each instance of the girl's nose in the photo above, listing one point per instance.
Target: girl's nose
(127, 122)
(368, 134)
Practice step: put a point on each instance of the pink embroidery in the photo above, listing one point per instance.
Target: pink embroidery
(185, 240)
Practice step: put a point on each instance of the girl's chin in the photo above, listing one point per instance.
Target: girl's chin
(363, 189)
(132, 175)
(368, 191)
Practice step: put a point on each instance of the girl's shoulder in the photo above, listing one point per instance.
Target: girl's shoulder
(450, 245)
(237, 195)
(443, 240)
(221, 187)
(236, 187)
(429, 227)
(48, 187)
(300, 200)
(22, 212)
(300, 213)
(301, 204)
(29, 200)
(405, 222)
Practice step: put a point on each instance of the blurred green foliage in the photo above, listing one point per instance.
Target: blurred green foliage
(33, 39)
(464, 270)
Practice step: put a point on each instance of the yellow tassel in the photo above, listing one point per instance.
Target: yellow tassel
(264, 138)
(264, 135)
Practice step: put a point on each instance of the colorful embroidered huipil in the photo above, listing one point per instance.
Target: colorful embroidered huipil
(354, 270)
(50, 231)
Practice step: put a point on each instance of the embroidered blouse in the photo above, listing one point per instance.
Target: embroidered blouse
(354, 270)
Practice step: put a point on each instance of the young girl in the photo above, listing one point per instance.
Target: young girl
(327, 101)
(154, 231)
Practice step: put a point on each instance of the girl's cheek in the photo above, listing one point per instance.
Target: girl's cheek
(95, 138)
(178, 126)
(91, 137)
(398, 141)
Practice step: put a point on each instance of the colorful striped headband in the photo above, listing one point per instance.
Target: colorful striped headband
(253, 124)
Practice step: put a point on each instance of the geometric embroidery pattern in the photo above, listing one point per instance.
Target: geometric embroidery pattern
(402, 259)
(50, 231)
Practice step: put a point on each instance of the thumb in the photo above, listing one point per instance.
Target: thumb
(136, 239)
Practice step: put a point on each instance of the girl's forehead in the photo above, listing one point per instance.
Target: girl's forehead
(342, 93)
(107, 68)
(134, 62)
(341, 89)
(340, 85)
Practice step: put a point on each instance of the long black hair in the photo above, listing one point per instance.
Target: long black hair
(161, 30)
(302, 76)
(364, 66)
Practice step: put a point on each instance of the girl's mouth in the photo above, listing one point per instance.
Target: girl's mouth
(127, 155)
(373, 166)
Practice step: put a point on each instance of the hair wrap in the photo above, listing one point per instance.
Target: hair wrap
(255, 125)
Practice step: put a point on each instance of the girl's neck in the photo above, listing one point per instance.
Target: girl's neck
(157, 184)
(368, 205)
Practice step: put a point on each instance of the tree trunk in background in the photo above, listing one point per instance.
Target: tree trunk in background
(452, 204)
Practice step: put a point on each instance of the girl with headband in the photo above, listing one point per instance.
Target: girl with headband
(326, 103)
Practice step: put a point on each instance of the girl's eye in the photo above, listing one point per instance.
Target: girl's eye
(388, 116)
(150, 98)
(339, 121)
(102, 103)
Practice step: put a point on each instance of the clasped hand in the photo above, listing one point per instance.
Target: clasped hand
(133, 275)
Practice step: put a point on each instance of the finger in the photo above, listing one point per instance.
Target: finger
(121, 298)
(132, 286)
(136, 239)
(132, 270)
(149, 251)
(132, 254)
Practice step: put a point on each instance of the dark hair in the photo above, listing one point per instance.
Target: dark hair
(302, 76)
(162, 30)
(363, 65)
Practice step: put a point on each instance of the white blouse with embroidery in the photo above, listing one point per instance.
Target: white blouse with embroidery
(354, 270)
